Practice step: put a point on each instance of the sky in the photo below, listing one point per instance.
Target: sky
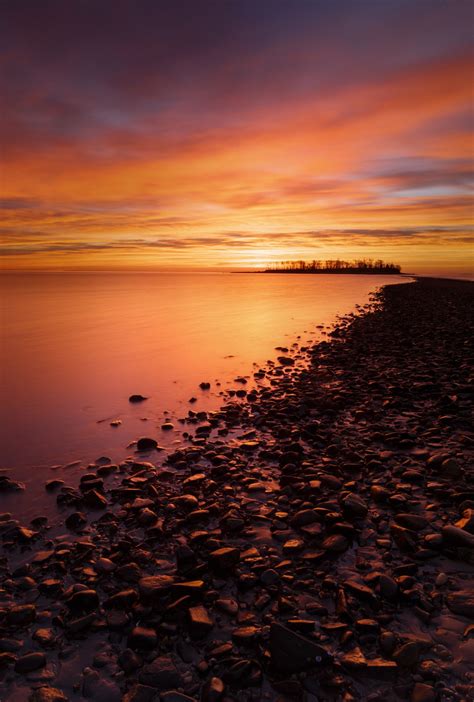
(235, 133)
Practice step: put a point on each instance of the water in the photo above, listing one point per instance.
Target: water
(75, 346)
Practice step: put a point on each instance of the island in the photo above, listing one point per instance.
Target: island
(362, 267)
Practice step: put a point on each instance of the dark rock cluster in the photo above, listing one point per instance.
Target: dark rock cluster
(314, 540)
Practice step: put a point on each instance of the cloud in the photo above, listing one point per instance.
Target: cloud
(177, 128)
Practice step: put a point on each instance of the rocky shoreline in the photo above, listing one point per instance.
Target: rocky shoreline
(314, 541)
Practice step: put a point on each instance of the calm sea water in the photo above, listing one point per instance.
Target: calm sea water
(75, 346)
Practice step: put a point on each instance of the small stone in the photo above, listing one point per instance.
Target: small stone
(83, 600)
(293, 546)
(94, 500)
(453, 536)
(47, 694)
(200, 623)
(354, 507)
(137, 398)
(337, 543)
(142, 638)
(388, 587)
(161, 674)
(423, 693)
(29, 662)
(461, 602)
(75, 521)
(21, 615)
(145, 443)
(412, 521)
(270, 577)
(407, 655)
(224, 560)
(213, 690)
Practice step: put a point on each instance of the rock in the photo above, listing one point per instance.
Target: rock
(146, 444)
(461, 602)
(412, 521)
(137, 398)
(453, 536)
(269, 577)
(286, 361)
(407, 655)
(21, 615)
(94, 500)
(9, 485)
(291, 652)
(213, 690)
(142, 638)
(303, 517)
(174, 696)
(423, 693)
(75, 521)
(245, 635)
(354, 507)
(153, 586)
(228, 606)
(293, 546)
(467, 521)
(83, 601)
(29, 662)
(337, 543)
(161, 674)
(224, 560)
(47, 694)
(200, 623)
(388, 587)
(204, 386)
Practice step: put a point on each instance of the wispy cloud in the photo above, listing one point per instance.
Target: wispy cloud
(268, 127)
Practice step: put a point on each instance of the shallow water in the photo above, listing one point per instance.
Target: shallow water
(75, 346)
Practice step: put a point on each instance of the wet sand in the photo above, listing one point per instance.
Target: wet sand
(313, 541)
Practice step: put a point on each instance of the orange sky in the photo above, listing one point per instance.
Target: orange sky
(237, 138)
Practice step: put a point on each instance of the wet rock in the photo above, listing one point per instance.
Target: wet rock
(174, 696)
(423, 693)
(407, 655)
(47, 694)
(337, 543)
(354, 507)
(454, 536)
(213, 690)
(467, 521)
(161, 674)
(412, 521)
(142, 638)
(9, 485)
(461, 602)
(29, 662)
(21, 615)
(94, 500)
(153, 586)
(388, 587)
(76, 521)
(83, 600)
(291, 652)
(145, 443)
(200, 623)
(137, 398)
(224, 560)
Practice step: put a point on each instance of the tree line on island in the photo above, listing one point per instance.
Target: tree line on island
(365, 265)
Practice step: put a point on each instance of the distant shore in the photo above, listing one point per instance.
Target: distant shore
(314, 541)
